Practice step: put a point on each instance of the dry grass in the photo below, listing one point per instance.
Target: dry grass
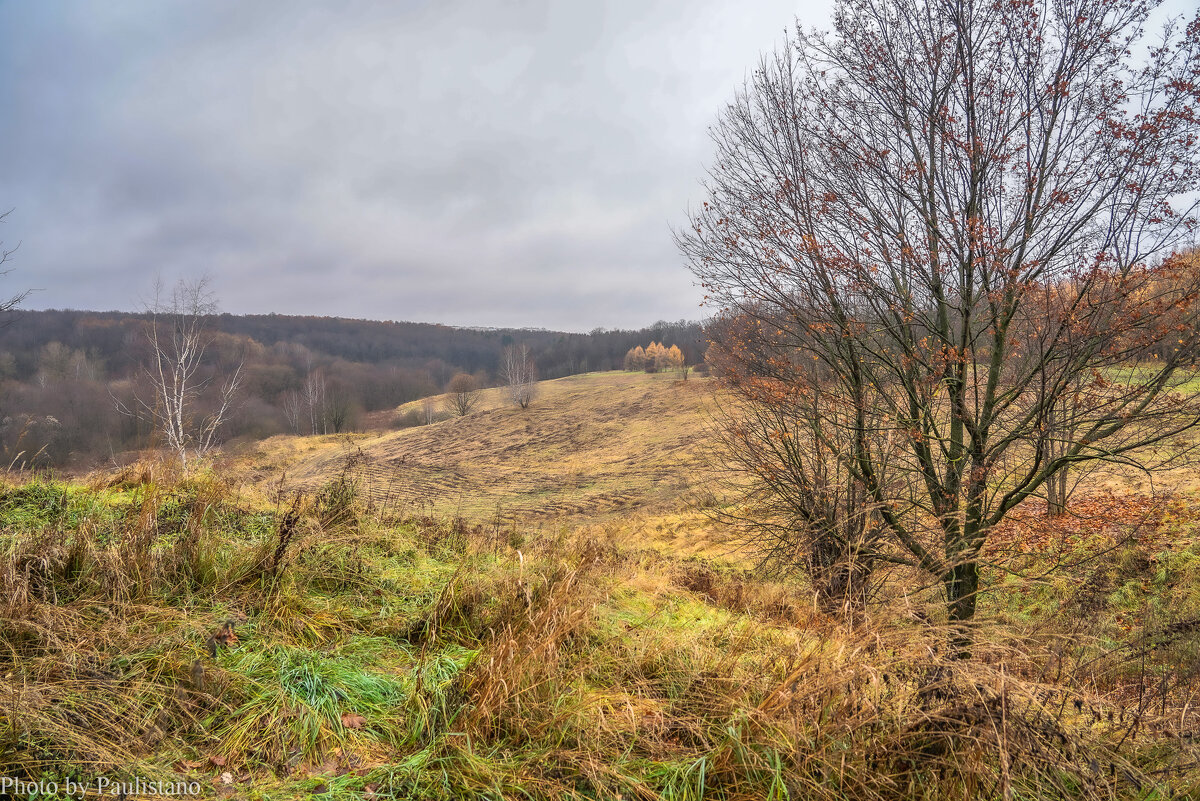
(433, 659)
(398, 637)
(591, 446)
(623, 452)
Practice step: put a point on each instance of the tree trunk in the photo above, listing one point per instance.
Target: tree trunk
(1056, 486)
(1056, 494)
(962, 589)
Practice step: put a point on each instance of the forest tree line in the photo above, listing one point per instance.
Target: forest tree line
(65, 374)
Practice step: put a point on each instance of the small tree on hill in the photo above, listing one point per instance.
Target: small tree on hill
(462, 394)
(339, 406)
(519, 374)
(673, 360)
(656, 357)
(635, 358)
(179, 337)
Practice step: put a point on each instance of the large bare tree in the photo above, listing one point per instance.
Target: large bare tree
(179, 337)
(938, 238)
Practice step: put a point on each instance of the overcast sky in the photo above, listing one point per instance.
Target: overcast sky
(472, 163)
(475, 163)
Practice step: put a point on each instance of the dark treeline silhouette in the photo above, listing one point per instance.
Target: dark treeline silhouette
(62, 373)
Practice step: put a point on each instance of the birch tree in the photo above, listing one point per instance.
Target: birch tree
(314, 402)
(179, 337)
(520, 374)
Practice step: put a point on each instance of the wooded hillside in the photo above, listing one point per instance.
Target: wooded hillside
(62, 373)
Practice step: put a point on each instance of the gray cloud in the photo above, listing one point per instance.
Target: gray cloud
(469, 163)
(463, 162)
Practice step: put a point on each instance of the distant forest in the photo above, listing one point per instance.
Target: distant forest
(63, 374)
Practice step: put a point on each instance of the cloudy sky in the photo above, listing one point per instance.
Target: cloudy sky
(473, 163)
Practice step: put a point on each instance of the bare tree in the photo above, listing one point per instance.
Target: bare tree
(293, 410)
(179, 338)
(520, 374)
(803, 510)
(462, 394)
(1062, 419)
(960, 212)
(428, 411)
(339, 406)
(682, 369)
(314, 402)
(13, 302)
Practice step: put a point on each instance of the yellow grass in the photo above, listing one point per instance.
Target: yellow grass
(590, 446)
(591, 650)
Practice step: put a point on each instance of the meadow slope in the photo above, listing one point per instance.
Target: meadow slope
(588, 447)
(160, 628)
(526, 604)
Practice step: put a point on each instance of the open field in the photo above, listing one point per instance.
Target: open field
(624, 452)
(589, 447)
(531, 605)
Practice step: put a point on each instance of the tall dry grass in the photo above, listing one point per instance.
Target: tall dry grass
(425, 658)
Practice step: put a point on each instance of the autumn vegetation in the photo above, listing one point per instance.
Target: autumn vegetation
(942, 241)
(654, 358)
(174, 627)
(276, 639)
(929, 530)
(64, 375)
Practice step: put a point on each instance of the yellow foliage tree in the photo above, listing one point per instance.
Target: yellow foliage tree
(635, 359)
(654, 357)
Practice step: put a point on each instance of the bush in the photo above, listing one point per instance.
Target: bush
(410, 419)
(462, 394)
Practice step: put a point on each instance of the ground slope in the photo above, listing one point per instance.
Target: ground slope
(589, 446)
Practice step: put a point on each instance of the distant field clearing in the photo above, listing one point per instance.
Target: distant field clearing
(589, 446)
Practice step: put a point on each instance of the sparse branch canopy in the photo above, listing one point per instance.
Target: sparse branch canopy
(520, 374)
(962, 213)
(462, 394)
(180, 380)
(8, 304)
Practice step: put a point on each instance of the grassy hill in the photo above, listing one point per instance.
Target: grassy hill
(525, 604)
(624, 453)
(588, 447)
